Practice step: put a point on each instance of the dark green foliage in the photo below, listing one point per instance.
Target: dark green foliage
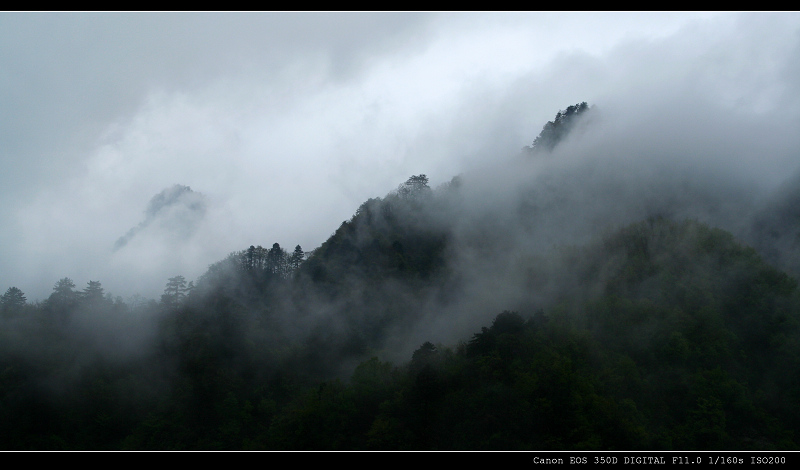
(12, 301)
(659, 335)
(663, 358)
(174, 293)
(93, 292)
(63, 295)
(556, 130)
(414, 188)
(296, 258)
(775, 229)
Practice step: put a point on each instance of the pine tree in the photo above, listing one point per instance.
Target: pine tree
(174, 292)
(12, 300)
(414, 187)
(93, 292)
(62, 300)
(555, 131)
(63, 295)
(297, 258)
(277, 261)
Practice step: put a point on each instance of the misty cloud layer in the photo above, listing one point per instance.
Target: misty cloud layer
(175, 212)
(286, 123)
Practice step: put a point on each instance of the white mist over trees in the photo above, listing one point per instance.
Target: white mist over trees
(571, 246)
(627, 281)
(284, 145)
(174, 212)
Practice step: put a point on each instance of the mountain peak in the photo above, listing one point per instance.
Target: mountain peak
(556, 130)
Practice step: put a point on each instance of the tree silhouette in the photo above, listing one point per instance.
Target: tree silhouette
(414, 187)
(93, 292)
(62, 293)
(174, 292)
(296, 258)
(277, 262)
(556, 130)
(12, 300)
(63, 299)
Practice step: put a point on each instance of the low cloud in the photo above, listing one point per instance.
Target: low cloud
(286, 123)
(174, 212)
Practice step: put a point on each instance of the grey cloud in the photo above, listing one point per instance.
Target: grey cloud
(287, 122)
(175, 211)
(67, 75)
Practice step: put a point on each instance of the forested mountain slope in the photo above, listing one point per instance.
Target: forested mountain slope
(635, 315)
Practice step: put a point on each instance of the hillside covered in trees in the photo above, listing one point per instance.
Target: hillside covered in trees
(552, 303)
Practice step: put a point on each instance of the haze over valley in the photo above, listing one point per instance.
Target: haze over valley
(408, 231)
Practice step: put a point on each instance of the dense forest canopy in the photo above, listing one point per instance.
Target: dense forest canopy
(556, 130)
(550, 303)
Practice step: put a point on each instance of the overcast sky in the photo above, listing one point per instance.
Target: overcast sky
(284, 123)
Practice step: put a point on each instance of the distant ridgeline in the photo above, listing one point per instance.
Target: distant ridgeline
(619, 328)
(554, 131)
